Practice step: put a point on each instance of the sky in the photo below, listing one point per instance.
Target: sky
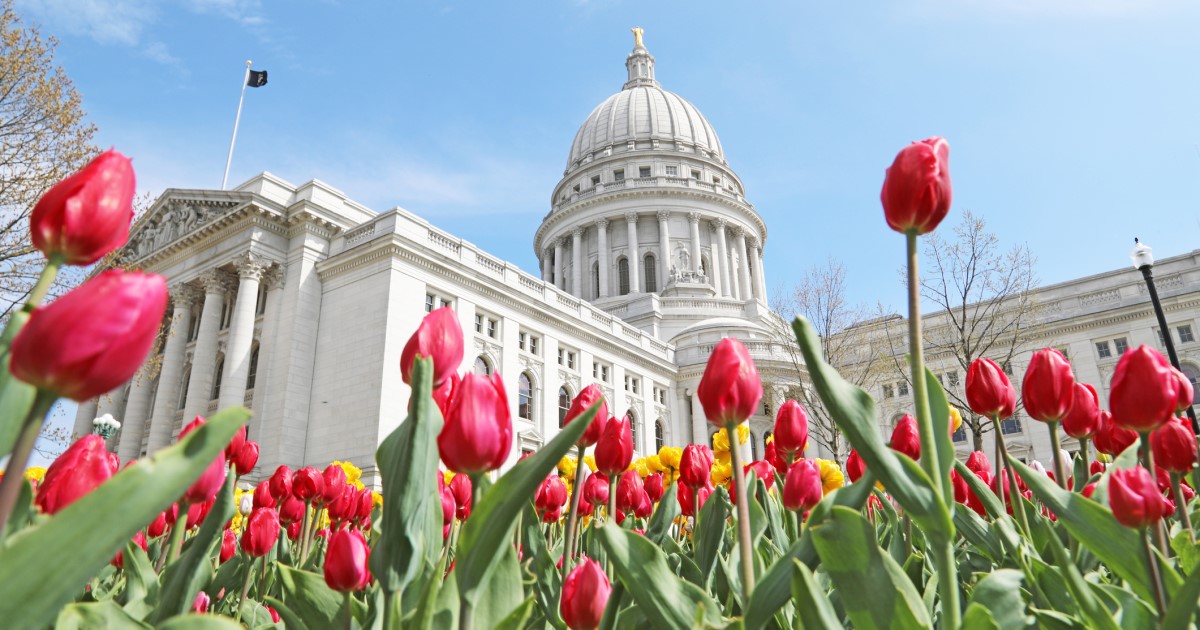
(1072, 123)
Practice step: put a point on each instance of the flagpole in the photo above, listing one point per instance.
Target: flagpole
(236, 120)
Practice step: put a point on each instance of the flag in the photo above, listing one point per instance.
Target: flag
(257, 78)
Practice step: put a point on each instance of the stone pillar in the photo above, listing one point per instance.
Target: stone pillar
(112, 403)
(743, 264)
(273, 278)
(694, 226)
(137, 411)
(699, 422)
(723, 252)
(718, 265)
(558, 266)
(634, 257)
(753, 270)
(758, 270)
(170, 374)
(83, 419)
(547, 265)
(602, 249)
(241, 332)
(204, 357)
(664, 248)
(577, 262)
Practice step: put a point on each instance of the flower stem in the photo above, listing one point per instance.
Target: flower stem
(349, 611)
(177, 532)
(1155, 577)
(611, 512)
(573, 514)
(1181, 508)
(1060, 470)
(1147, 457)
(1087, 465)
(245, 589)
(1000, 463)
(743, 515)
(10, 485)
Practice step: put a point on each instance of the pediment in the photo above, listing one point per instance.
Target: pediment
(174, 217)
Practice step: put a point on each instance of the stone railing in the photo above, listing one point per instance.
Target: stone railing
(654, 180)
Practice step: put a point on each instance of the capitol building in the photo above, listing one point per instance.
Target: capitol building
(296, 302)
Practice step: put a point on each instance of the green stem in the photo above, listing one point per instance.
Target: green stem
(44, 282)
(573, 514)
(245, 589)
(1000, 462)
(10, 485)
(1060, 471)
(611, 514)
(743, 515)
(1017, 501)
(1181, 508)
(349, 611)
(1147, 457)
(1087, 466)
(177, 532)
(1155, 577)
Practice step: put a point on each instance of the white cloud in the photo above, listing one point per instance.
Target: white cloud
(245, 12)
(1062, 8)
(158, 52)
(106, 21)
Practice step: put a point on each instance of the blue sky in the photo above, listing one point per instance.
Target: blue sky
(1072, 123)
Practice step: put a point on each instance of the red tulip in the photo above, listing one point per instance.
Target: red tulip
(460, 487)
(802, 487)
(236, 444)
(905, 438)
(1145, 390)
(551, 496)
(629, 491)
(261, 532)
(247, 458)
(961, 490)
(366, 504)
(791, 429)
(210, 482)
(263, 496)
(346, 561)
(197, 512)
(1083, 421)
(291, 510)
(447, 511)
(977, 462)
(281, 483)
(916, 188)
(595, 489)
(989, 392)
(274, 614)
(1135, 498)
(94, 338)
(654, 487)
(695, 465)
(582, 402)
(200, 604)
(307, 484)
(855, 466)
(584, 596)
(685, 498)
(614, 450)
(444, 393)
(86, 215)
(1174, 446)
(78, 471)
(645, 506)
(478, 432)
(1112, 439)
(334, 480)
(228, 546)
(440, 338)
(771, 454)
(1048, 389)
(172, 514)
(114, 462)
(1185, 393)
(730, 388)
(158, 526)
(345, 508)
(761, 469)
(119, 560)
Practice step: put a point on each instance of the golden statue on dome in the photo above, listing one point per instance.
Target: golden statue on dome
(637, 36)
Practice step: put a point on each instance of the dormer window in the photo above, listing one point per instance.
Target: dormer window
(619, 174)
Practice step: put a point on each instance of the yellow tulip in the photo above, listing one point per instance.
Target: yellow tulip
(955, 419)
(669, 456)
(831, 475)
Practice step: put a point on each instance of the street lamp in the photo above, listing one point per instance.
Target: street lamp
(105, 426)
(1143, 260)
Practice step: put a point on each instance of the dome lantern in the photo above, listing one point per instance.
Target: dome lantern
(639, 63)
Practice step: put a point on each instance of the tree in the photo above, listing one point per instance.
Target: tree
(982, 307)
(43, 138)
(820, 297)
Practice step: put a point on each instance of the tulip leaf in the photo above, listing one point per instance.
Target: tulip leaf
(813, 609)
(1085, 598)
(664, 515)
(488, 532)
(991, 503)
(975, 530)
(412, 510)
(1183, 605)
(939, 408)
(200, 622)
(665, 599)
(43, 567)
(309, 597)
(1000, 593)
(106, 614)
(502, 593)
(16, 396)
(872, 587)
(710, 532)
(141, 582)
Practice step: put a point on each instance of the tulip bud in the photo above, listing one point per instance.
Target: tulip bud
(281, 483)
(86, 215)
(582, 402)
(1186, 394)
(78, 471)
(291, 510)
(905, 438)
(629, 491)
(1083, 421)
(346, 561)
(771, 454)
(584, 596)
(989, 392)
(263, 496)
(447, 510)
(118, 560)
(1135, 498)
(275, 618)
(614, 450)
(236, 444)
(551, 496)
(197, 512)
(802, 487)
(791, 429)
(1112, 439)
(695, 466)
(245, 504)
(307, 484)
(460, 488)
(210, 482)
(261, 532)
(1174, 446)
(246, 458)
(200, 604)
(654, 487)
(334, 482)
(366, 503)
(961, 490)
(978, 462)
(1145, 390)
(645, 506)
(228, 546)
(158, 525)
(916, 188)
(684, 495)
(595, 489)
(730, 388)
(761, 469)
(439, 337)
(478, 432)
(1048, 389)
(92, 339)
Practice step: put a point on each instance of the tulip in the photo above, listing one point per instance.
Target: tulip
(1174, 446)
(1135, 498)
(595, 489)
(478, 432)
(802, 487)
(654, 487)
(989, 392)
(308, 484)
(695, 466)
(78, 471)
(614, 450)
(977, 462)
(629, 491)
(905, 439)
(346, 561)
(447, 511)
(228, 546)
(791, 429)
(589, 396)
(280, 483)
(200, 604)
(275, 618)
(686, 498)
(118, 560)
(293, 531)
(1083, 421)
(334, 482)
(916, 188)
(444, 393)
(645, 506)
(345, 507)
(291, 510)
(210, 482)
(246, 458)
(260, 533)
(584, 596)
(730, 388)
(460, 488)
(855, 466)
(551, 496)
(763, 470)
(245, 504)
(92, 339)
(1145, 390)
(236, 444)
(86, 215)
(1112, 439)
(197, 512)
(439, 337)
(961, 490)
(158, 526)
(1048, 389)
(114, 462)
(263, 496)
(366, 504)
(1185, 394)
(771, 454)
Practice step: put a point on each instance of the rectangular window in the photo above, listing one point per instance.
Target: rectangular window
(566, 358)
(479, 323)
(533, 345)
(1103, 350)
(430, 300)
(433, 300)
(595, 180)
(619, 174)
(672, 171)
(902, 388)
(716, 180)
(1121, 344)
(643, 171)
(695, 174)
(1010, 425)
(600, 371)
(1162, 341)
(493, 328)
(961, 434)
(521, 340)
(1185, 333)
(952, 377)
(887, 391)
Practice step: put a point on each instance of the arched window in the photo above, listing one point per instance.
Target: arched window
(564, 403)
(623, 276)
(483, 367)
(216, 386)
(753, 446)
(1193, 374)
(596, 279)
(633, 428)
(183, 391)
(525, 396)
(660, 438)
(253, 375)
(651, 268)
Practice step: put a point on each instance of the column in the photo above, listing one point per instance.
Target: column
(273, 278)
(112, 403)
(694, 226)
(664, 248)
(83, 419)
(752, 268)
(547, 263)
(137, 411)
(723, 254)
(758, 270)
(718, 265)
(700, 430)
(743, 264)
(558, 266)
(634, 257)
(602, 236)
(577, 262)
(170, 374)
(204, 356)
(241, 332)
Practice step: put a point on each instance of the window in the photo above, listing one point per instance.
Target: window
(482, 366)
(1162, 341)
(632, 384)
(525, 396)
(952, 378)
(1185, 333)
(1103, 351)
(183, 391)
(226, 314)
(619, 175)
(260, 307)
(672, 171)
(433, 300)
(527, 342)
(523, 340)
(596, 279)
(1010, 425)
(633, 428)
(1193, 374)
(216, 385)
(961, 434)
(753, 446)
(534, 345)
(888, 392)
(194, 330)
(564, 404)
(623, 276)
(600, 371)
(716, 180)
(253, 375)
(595, 180)
(660, 395)
(651, 267)
(1121, 344)
(660, 439)
(695, 174)
(643, 171)
(566, 358)
(767, 408)
(487, 325)
(902, 388)
(575, 188)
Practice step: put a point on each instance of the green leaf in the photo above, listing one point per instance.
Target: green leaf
(813, 609)
(939, 409)
(666, 600)
(1187, 551)
(16, 396)
(874, 589)
(200, 622)
(975, 530)
(317, 605)
(22, 512)
(105, 614)
(991, 502)
(44, 567)
(141, 582)
(502, 592)
(664, 515)
(1000, 593)
(1084, 597)
(408, 461)
(517, 620)
(710, 531)
(1183, 605)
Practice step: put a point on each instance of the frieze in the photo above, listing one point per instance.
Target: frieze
(180, 218)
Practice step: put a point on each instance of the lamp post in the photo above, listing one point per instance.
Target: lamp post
(1143, 260)
(105, 426)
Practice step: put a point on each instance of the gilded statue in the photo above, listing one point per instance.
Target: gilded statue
(637, 36)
